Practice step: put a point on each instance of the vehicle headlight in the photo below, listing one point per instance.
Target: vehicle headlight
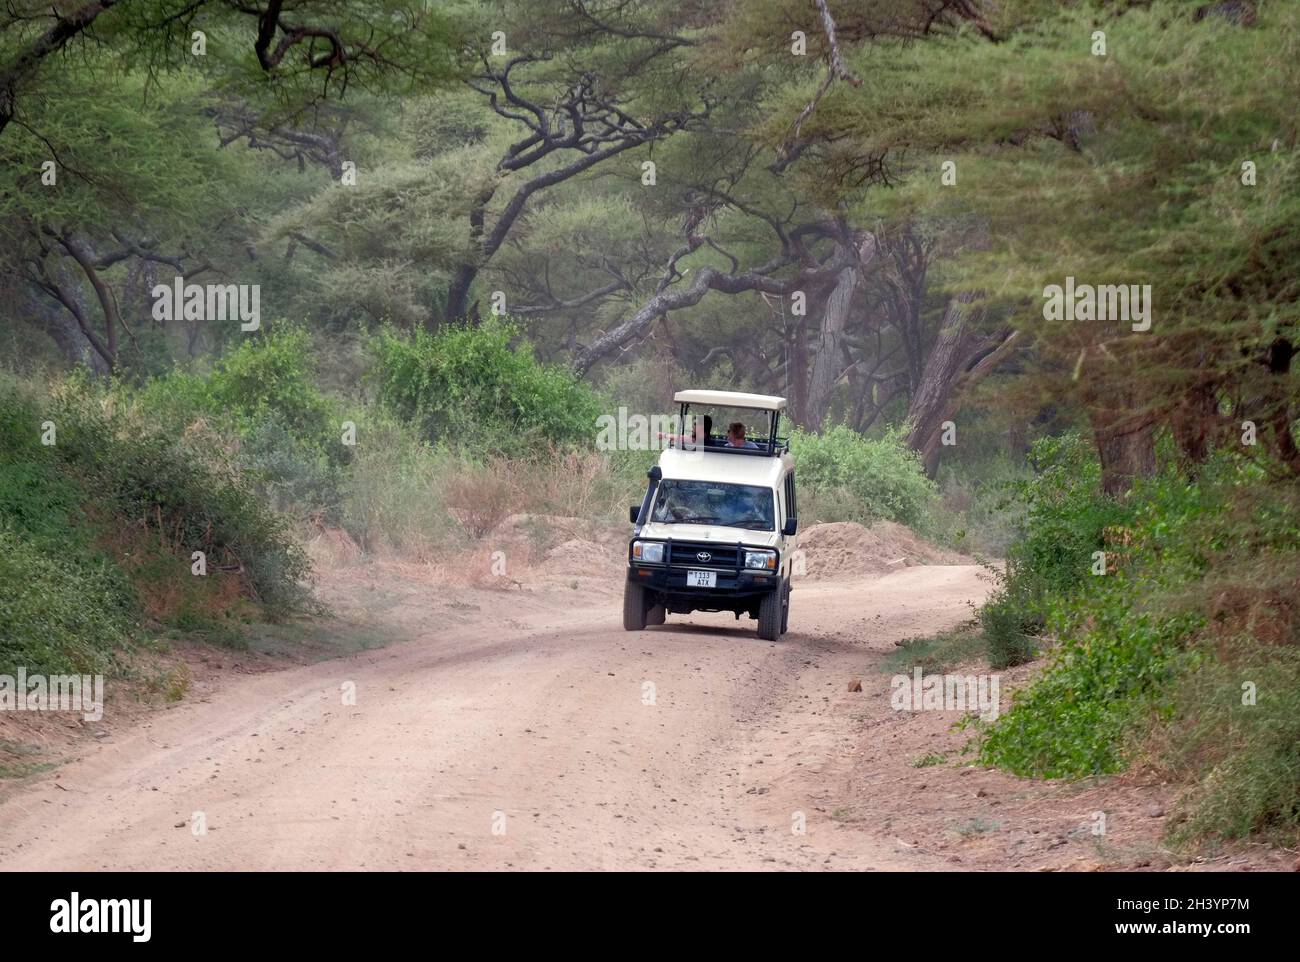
(651, 552)
(765, 560)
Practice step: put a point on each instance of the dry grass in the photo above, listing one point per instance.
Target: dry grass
(410, 502)
(481, 497)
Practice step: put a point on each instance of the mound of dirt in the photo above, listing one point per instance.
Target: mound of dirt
(845, 549)
(579, 556)
(333, 547)
(547, 531)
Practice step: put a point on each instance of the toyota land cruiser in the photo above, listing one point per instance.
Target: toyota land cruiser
(716, 528)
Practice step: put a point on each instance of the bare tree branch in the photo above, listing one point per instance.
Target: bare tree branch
(669, 298)
(65, 28)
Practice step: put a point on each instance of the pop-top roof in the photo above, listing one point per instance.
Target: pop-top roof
(731, 399)
(716, 464)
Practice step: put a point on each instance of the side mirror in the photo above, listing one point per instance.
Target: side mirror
(632, 514)
(791, 526)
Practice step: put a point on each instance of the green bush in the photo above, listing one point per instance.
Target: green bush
(847, 473)
(1113, 670)
(155, 480)
(1246, 748)
(1065, 515)
(115, 473)
(280, 431)
(1127, 638)
(467, 386)
(39, 503)
(1155, 659)
(273, 376)
(60, 614)
(1008, 628)
(1061, 521)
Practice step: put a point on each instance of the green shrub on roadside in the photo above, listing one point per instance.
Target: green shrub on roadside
(60, 614)
(1064, 522)
(1008, 631)
(1112, 671)
(468, 387)
(873, 479)
(1116, 651)
(268, 374)
(151, 479)
(261, 406)
(1183, 655)
(100, 524)
(1236, 724)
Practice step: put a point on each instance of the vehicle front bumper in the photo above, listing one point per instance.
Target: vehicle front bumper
(730, 583)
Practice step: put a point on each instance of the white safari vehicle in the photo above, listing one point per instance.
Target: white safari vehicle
(716, 529)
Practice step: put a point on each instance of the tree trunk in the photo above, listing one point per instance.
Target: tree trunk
(1125, 443)
(955, 348)
(829, 360)
(1193, 423)
(797, 370)
(62, 329)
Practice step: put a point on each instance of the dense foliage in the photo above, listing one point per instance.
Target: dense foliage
(1180, 654)
(103, 522)
(879, 478)
(473, 387)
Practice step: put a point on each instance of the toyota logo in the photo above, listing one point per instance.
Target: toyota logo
(702, 556)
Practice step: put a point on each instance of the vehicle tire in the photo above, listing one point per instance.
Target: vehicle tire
(634, 606)
(657, 615)
(769, 615)
(785, 609)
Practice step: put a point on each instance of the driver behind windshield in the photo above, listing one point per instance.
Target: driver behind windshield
(704, 502)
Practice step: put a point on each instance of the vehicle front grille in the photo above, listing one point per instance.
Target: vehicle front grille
(686, 554)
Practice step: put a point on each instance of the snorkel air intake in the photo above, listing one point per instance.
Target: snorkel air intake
(654, 474)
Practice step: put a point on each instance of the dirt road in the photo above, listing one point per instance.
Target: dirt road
(521, 727)
(524, 736)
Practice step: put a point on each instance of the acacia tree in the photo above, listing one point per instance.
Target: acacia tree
(561, 224)
(311, 49)
(585, 124)
(1125, 167)
(96, 151)
(816, 250)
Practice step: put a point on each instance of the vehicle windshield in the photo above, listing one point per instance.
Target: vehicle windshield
(709, 502)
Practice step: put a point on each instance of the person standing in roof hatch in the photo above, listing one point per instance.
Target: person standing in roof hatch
(699, 434)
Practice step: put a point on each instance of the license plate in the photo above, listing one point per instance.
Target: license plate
(701, 579)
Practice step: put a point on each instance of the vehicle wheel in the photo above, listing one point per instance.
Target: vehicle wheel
(634, 606)
(657, 615)
(785, 609)
(769, 615)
